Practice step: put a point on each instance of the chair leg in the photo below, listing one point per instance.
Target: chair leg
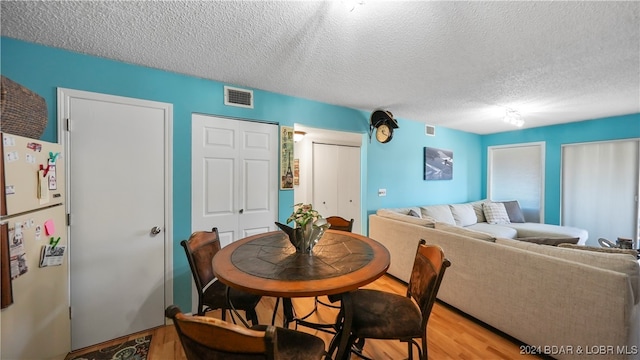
(358, 347)
(424, 355)
(275, 311)
(252, 316)
(288, 312)
(200, 308)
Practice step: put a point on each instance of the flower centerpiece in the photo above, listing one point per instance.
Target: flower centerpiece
(309, 227)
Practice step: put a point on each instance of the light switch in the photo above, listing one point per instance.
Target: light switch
(382, 192)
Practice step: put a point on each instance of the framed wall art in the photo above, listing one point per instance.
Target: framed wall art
(296, 171)
(286, 158)
(438, 164)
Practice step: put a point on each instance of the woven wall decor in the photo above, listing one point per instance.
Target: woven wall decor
(22, 112)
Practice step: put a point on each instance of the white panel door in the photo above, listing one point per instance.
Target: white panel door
(118, 161)
(349, 185)
(336, 181)
(234, 176)
(325, 175)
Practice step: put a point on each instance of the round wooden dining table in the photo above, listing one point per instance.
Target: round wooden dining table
(267, 264)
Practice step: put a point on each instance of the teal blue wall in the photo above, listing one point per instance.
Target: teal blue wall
(613, 128)
(396, 166)
(43, 69)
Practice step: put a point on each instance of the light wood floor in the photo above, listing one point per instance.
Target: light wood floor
(451, 335)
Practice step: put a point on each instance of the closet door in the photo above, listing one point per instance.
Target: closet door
(349, 184)
(234, 167)
(336, 181)
(600, 189)
(325, 179)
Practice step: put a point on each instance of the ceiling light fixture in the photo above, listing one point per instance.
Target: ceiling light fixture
(350, 5)
(514, 118)
(298, 135)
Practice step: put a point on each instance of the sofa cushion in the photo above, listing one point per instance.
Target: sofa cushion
(495, 230)
(477, 207)
(631, 252)
(553, 241)
(620, 262)
(391, 214)
(495, 213)
(513, 211)
(548, 230)
(463, 214)
(440, 213)
(464, 232)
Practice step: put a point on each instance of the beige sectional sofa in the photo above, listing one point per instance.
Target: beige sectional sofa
(561, 302)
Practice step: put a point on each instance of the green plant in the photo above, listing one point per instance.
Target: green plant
(302, 214)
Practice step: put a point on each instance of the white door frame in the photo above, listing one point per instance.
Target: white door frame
(64, 96)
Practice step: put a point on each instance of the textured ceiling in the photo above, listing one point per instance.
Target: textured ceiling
(453, 64)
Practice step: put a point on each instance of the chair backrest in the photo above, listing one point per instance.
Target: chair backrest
(211, 338)
(428, 270)
(339, 223)
(200, 249)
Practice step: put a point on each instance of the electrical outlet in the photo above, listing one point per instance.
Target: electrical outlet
(382, 192)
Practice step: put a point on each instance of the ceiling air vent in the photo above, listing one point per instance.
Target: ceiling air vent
(430, 130)
(238, 97)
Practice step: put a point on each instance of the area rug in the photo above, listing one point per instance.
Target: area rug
(136, 349)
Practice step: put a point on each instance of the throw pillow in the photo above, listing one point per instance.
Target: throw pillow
(441, 213)
(514, 211)
(477, 207)
(496, 213)
(464, 232)
(414, 214)
(553, 241)
(428, 222)
(463, 214)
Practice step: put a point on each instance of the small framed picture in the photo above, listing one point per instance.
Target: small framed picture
(438, 164)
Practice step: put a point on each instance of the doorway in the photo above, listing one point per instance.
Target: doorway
(340, 179)
(118, 153)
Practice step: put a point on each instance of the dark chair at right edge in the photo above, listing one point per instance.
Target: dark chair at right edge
(383, 315)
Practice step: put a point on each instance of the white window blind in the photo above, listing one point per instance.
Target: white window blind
(600, 187)
(516, 172)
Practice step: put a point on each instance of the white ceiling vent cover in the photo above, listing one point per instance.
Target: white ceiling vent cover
(430, 130)
(238, 97)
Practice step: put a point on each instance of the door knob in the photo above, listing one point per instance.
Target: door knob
(241, 211)
(156, 230)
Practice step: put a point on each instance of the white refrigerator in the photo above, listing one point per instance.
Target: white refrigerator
(34, 319)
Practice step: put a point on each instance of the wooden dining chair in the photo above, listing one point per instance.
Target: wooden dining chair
(340, 223)
(382, 315)
(200, 249)
(213, 339)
